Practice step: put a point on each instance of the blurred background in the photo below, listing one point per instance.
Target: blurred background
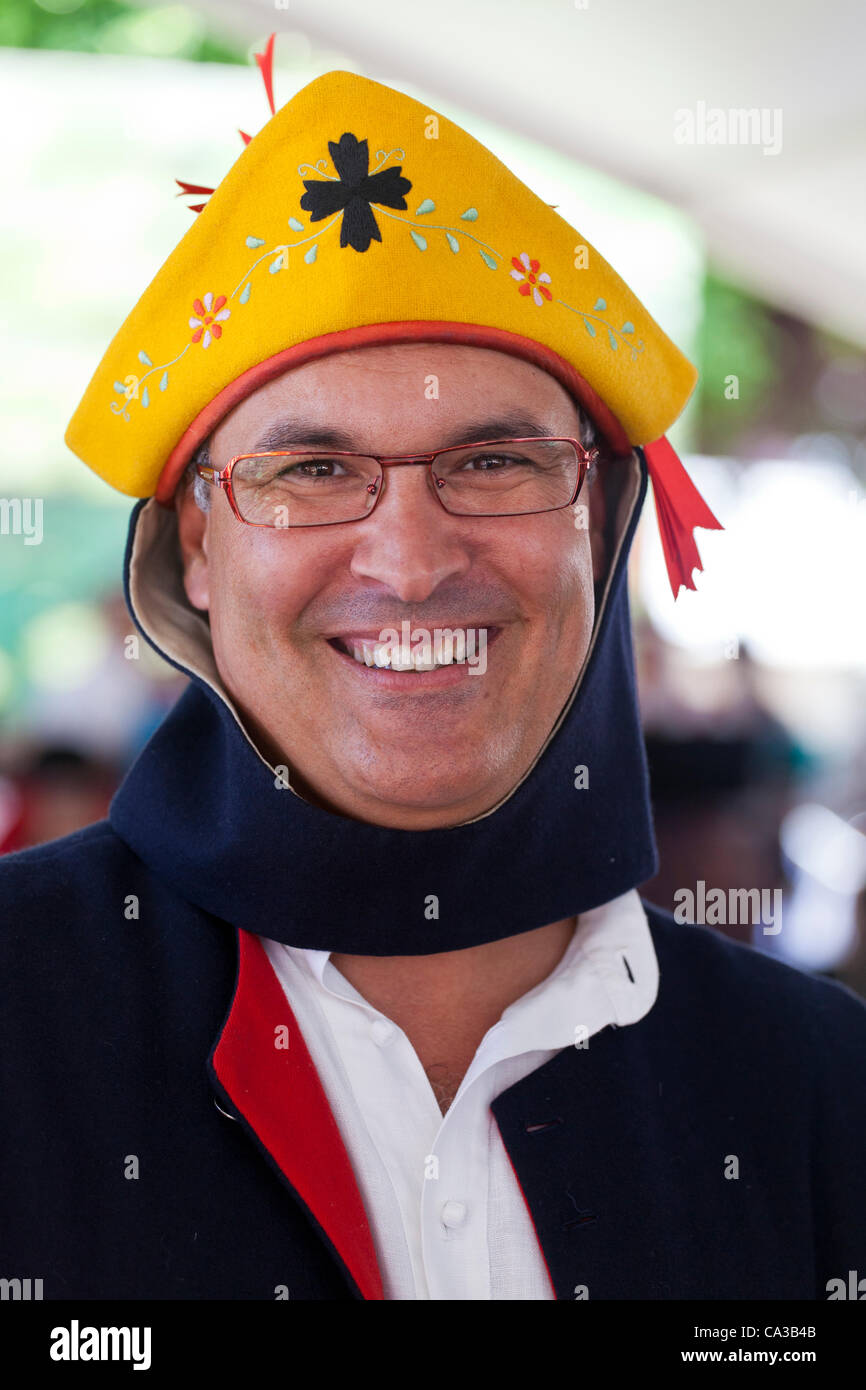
(748, 251)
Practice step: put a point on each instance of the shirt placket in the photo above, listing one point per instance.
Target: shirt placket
(454, 1204)
(446, 1181)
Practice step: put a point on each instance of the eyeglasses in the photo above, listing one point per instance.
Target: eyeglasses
(500, 477)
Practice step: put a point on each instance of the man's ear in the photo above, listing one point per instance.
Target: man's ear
(192, 524)
(597, 525)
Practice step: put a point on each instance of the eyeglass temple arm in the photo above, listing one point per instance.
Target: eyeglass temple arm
(210, 475)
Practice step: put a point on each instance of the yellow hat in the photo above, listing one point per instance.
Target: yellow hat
(354, 210)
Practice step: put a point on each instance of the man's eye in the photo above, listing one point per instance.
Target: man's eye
(485, 463)
(313, 468)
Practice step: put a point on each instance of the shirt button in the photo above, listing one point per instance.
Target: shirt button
(453, 1213)
(381, 1031)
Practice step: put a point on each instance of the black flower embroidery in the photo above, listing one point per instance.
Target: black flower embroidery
(354, 191)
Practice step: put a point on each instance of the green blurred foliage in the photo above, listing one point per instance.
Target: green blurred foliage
(780, 361)
(109, 26)
(738, 337)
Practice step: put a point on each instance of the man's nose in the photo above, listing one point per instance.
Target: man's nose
(410, 542)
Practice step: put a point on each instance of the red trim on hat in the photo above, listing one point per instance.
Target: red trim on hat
(279, 1094)
(412, 330)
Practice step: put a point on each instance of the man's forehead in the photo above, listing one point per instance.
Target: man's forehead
(490, 395)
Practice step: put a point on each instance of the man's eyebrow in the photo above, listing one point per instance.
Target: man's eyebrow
(289, 433)
(286, 433)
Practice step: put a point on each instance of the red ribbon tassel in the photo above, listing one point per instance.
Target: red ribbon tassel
(266, 67)
(679, 508)
(192, 188)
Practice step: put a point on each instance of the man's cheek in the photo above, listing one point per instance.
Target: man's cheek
(566, 578)
(258, 617)
(235, 616)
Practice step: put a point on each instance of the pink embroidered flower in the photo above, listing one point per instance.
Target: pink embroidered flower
(210, 315)
(527, 272)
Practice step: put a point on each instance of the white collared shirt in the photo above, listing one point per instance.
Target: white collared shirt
(447, 1216)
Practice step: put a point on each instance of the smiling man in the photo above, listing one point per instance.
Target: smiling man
(353, 995)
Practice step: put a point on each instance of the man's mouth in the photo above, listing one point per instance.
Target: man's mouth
(461, 649)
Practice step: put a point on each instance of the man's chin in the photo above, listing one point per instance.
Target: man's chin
(415, 794)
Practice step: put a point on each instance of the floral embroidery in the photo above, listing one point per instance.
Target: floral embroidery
(211, 314)
(531, 281)
(600, 306)
(348, 197)
(353, 192)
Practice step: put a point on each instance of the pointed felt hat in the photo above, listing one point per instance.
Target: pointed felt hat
(358, 215)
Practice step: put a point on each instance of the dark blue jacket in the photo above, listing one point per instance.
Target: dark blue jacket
(155, 1144)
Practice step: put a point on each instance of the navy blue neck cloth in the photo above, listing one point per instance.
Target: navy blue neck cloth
(208, 817)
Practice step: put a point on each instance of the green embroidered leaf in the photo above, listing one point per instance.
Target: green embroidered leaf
(600, 305)
(119, 386)
(163, 381)
(612, 340)
(143, 357)
(277, 264)
(418, 240)
(452, 242)
(488, 260)
(470, 215)
(310, 255)
(245, 292)
(295, 225)
(589, 328)
(145, 398)
(628, 326)
(427, 206)
(255, 241)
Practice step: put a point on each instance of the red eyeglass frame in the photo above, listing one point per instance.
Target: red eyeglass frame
(222, 479)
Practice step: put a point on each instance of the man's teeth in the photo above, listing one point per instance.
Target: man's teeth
(382, 655)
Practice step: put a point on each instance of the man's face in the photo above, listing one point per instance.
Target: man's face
(407, 749)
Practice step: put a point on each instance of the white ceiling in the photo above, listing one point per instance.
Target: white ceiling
(602, 84)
